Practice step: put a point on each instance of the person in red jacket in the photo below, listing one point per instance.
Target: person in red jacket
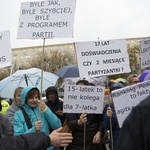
(36, 141)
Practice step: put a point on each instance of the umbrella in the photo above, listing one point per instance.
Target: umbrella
(145, 76)
(24, 78)
(95, 80)
(68, 71)
(123, 80)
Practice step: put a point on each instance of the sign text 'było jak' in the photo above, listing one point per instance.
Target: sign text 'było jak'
(83, 98)
(46, 19)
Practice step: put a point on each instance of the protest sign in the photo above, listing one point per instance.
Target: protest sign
(5, 49)
(99, 58)
(78, 99)
(46, 19)
(145, 53)
(127, 98)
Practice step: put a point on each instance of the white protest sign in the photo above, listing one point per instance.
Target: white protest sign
(145, 53)
(126, 98)
(78, 99)
(46, 19)
(5, 49)
(99, 58)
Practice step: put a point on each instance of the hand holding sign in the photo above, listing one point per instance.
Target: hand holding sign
(83, 119)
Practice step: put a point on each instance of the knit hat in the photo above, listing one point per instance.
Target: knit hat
(51, 88)
(114, 86)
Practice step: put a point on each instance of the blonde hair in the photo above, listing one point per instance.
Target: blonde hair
(130, 78)
(17, 90)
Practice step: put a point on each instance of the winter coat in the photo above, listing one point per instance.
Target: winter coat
(31, 141)
(11, 111)
(49, 120)
(135, 131)
(6, 128)
(115, 125)
(55, 105)
(93, 125)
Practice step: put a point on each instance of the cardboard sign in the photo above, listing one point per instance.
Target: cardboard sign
(5, 49)
(102, 58)
(127, 98)
(46, 19)
(78, 99)
(145, 53)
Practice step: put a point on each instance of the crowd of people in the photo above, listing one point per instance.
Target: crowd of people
(30, 123)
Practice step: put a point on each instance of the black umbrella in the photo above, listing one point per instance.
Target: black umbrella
(68, 71)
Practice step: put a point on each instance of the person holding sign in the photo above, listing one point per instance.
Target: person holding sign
(35, 116)
(135, 133)
(92, 132)
(110, 119)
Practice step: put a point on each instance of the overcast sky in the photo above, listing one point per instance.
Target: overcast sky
(106, 19)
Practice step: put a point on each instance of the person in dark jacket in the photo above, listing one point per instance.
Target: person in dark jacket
(6, 128)
(54, 103)
(35, 141)
(93, 130)
(110, 119)
(135, 133)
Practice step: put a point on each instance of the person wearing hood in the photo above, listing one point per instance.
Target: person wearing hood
(94, 127)
(110, 118)
(15, 106)
(54, 103)
(40, 117)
